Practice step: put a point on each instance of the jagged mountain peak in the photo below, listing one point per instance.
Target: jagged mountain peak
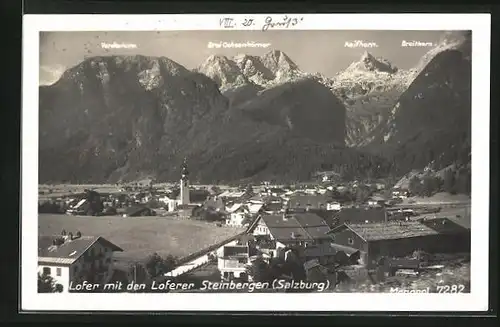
(102, 65)
(369, 63)
(217, 58)
(277, 59)
(224, 71)
(367, 56)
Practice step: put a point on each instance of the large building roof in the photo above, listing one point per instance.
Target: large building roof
(361, 215)
(298, 226)
(69, 251)
(389, 230)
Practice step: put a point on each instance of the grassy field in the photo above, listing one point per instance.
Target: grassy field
(438, 198)
(141, 236)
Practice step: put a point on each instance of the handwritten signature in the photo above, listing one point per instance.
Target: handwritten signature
(286, 22)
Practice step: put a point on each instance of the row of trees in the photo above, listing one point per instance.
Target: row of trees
(453, 182)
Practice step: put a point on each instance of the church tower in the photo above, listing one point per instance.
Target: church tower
(184, 196)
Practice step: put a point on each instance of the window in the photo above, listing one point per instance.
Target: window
(108, 260)
(58, 271)
(350, 241)
(46, 270)
(75, 269)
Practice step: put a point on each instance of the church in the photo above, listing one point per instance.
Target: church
(183, 200)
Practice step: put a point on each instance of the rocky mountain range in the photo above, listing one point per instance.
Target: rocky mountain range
(254, 117)
(124, 118)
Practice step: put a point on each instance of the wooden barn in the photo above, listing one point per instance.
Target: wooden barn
(401, 238)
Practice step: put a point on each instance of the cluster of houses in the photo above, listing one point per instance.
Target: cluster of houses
(308, 223)
(367, 234)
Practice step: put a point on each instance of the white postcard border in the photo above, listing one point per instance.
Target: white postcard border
(477, 300)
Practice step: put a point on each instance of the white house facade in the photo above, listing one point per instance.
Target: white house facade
(76, 259)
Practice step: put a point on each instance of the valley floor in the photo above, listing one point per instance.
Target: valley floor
(141, 236)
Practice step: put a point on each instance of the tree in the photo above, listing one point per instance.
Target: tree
(157, 266)
(46, 284)
(464, 181)
(362, 194)
(258, 270)
(249, 189)
(415, 186)
(450, 181)
(431, 185)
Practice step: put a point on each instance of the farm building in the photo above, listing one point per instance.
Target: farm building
(399, 239)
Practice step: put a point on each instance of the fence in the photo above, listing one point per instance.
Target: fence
(207, 250)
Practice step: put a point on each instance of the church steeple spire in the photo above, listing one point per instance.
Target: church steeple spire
(184, 196)
(184, 170)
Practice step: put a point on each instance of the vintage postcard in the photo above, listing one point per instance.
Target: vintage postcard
(329, 156)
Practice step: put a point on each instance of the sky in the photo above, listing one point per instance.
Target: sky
(313, 51)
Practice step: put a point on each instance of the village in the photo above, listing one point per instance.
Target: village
(353, 236)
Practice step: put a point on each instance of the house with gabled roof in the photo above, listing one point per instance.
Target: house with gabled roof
(237, 215)
(286, 229)
(75, 258)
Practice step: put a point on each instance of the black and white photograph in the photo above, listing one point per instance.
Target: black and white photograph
(247, 155)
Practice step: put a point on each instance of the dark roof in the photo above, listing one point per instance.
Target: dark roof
(313, 224)
(445, 226)
(69, 251)
(273, 207)
(360, 215)
(314, 201)
(328, 216)
(388, 231)
(347, 249)
(230, 251)
(303, 226)
(463, 221)
(272, 198)
(212, 202)
(319, 250)
(135, 210)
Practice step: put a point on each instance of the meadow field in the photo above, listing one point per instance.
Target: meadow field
(141, 236)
